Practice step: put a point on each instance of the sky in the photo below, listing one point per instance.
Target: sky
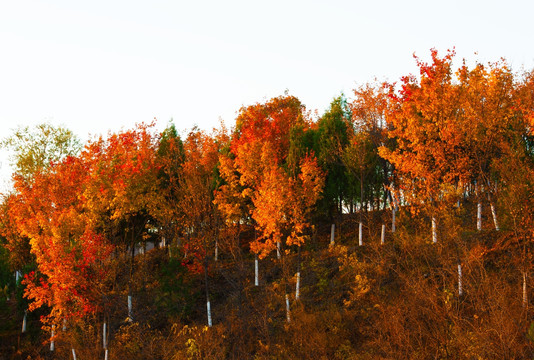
(99, 66)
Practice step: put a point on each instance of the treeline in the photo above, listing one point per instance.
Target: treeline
(77, 224)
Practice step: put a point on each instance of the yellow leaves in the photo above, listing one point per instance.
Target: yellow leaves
(282, 204)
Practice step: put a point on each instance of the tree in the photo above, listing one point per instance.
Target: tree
(489, 112)
(331, 138)
(67, 250)
(428, 154)
(36, 148)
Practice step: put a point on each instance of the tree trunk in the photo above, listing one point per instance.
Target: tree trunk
(494, 214)
(297, 287)
(73, 354)
(130, 310)
(288, 313)
(525, 294)
(208, 305)
(434, 230)
(104, 336)
(360, 234)
(479, 216)
(383, 234)
(460, 288)
(208, 309)
(24, 321)
(52, 344)
(332, 234)
(256, 271)
(393, 225)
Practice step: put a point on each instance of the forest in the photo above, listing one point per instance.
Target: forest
(399, 224)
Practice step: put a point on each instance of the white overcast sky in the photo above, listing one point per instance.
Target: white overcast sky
(95, 66)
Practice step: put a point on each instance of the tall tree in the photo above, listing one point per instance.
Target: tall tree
(332, 137)
(35, 148)
(428, 155)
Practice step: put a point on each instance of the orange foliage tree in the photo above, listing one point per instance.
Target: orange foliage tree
(429, 154)
(262, 182)
(68, 251)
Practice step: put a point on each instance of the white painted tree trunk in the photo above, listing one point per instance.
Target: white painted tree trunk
(288, 313)
(297, 288)
(434, 230)
(24, 321)
(130, 312)
(278, 253)
(208, 307)
(73, 354)
(216, 250)
(360, 234)
(383, 235)
(256, 271)
(479, 216)
(393, 228)
(332, 234)
(17, 276)
(460, 288)
(104, 336)
(52, 344)
(494, 214)
(64, 324)
(106, 355)
(525, 294)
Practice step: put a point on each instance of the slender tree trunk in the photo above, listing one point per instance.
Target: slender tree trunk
(383, 234)
(208, 305)
(393, 220)
(525, 294)
(460, 288)
(278, 252)
(479, 216)
(130, 308)
(73, 354)
(494, 214)
(297, 287)
(360, 234)
(479, 207)
(52, 334)
(24, 321)
(332, 234)
(434, 230)
(288, 312)
(104, 336)
(256, 271)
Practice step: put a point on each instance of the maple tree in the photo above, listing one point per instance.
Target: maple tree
(489, 112)
(428, 154)
(67, 250)
(170, 157)
(122, 191)
(261, 173)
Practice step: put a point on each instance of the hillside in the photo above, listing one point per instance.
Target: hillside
(394, 301)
